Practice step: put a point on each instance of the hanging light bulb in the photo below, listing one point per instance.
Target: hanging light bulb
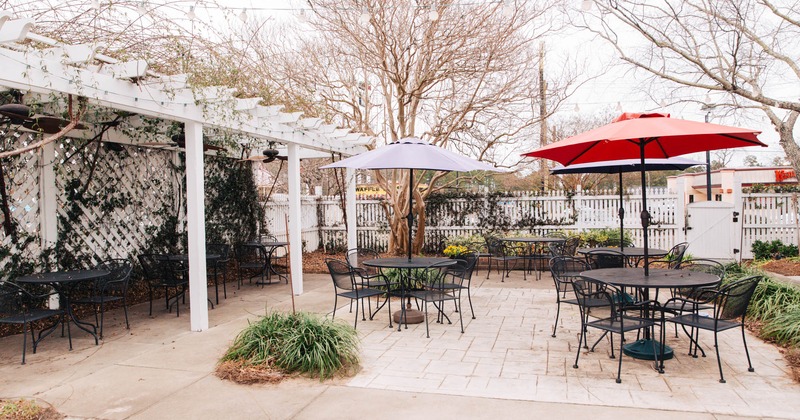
(619, 106)
(243, 15)
(577, 108)
(301, 16)
(586, 5)
(141, 9)
(364, 18)
(191, 14)
(433, 15)
(96, 4)
(663, 103)
(708, 99)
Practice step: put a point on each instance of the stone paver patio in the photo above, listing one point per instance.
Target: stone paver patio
(505, 354)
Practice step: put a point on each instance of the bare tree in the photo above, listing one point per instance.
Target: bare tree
(460, 75)
(746, 49)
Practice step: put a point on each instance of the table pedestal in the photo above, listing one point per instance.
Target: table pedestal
(413, 316)
(643, 350)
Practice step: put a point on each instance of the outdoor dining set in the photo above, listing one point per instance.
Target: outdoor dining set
(26, 300)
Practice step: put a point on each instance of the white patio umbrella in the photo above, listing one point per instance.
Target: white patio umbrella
(412, 153)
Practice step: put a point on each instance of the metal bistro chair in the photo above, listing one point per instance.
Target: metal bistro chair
(697, 265)
(370, 277)
(500, 254)
(220, 265)
(728, 310)
(605, 258)
(345, 285)
(277, 256)
(112, 288)
(588, 290)
(459, 277)
(433, 290)
(159, 273)
(20, 307)
(252, 260)
(564, 270)
(674, 256)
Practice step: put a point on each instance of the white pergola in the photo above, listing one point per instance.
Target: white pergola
(83, 71)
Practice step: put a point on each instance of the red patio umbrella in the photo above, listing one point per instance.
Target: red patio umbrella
(644, 136)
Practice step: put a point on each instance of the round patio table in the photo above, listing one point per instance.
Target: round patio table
(631, 253)
(269, 249)
(406, 264)
(64, 282)
(534, 250)
(658, 279)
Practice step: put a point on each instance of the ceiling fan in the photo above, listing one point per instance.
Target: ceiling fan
(179, 140)
(23, 115)
(267, 155)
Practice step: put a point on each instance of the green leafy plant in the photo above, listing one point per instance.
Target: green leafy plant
(775, 249)
(604, 237)
(302, 343)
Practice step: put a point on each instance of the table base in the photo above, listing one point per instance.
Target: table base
(413, 316)
(643, 350)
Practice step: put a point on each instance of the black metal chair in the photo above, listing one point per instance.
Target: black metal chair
(345, 285)
(112, 288)
(161, 272)
(697, 265)
(501, 253)
(278, 256)
(674, 256)
(570, 245)
(459, 277)
(618, 322)
(20, 307)
(220, 265)
(606, 258)
(728, 309)
(251, 260)
(369, 276)
(432, 279)
(564, 270)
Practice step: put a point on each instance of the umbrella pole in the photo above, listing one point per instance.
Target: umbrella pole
(621, 216)
(645, 215)
(410, 210)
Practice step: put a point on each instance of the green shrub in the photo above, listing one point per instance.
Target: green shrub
(302, 343)
(604, 237)
(773, 250)
(784, 328)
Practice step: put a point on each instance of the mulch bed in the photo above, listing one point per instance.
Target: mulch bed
(785, 267)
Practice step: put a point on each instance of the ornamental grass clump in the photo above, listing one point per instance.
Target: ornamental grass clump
(300, 343)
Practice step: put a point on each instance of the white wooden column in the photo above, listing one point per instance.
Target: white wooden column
(350, 204)
(295, 222)
(48, 215)
(196, 224)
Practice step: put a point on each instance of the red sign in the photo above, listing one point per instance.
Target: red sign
(784, 174)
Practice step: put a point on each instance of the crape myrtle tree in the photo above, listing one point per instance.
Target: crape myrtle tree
(745, 49)
(461, 75)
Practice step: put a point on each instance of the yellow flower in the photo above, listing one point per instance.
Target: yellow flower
(455, 250)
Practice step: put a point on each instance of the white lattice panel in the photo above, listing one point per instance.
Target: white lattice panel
(22, 187)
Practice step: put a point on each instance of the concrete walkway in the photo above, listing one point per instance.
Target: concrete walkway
(505, 365)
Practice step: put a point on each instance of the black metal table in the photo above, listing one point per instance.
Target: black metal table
(269, 249)
(631, 253)
(535, 252)
(658, 279)
(404, 263)
(64, 282)
(184, 258)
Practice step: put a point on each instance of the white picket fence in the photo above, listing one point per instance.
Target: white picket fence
(767, 217)
(323, 220)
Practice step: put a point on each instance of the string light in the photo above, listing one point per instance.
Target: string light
(508, 8)
(619, 106)
(586, 5)
(433, 15)
(302, 16)
(141, 9)
(191, 14)
(577, 108)
(96, 4)
(243, 15)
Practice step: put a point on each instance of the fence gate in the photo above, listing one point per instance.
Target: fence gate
(711, 230)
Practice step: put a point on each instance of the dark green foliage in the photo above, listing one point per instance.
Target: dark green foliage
(233, 211)
(773, 250)
(302, 343)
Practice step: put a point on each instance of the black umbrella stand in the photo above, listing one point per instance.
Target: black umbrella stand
(410, 216)
(645, 215)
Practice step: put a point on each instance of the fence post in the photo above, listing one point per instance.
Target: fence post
(680, 210)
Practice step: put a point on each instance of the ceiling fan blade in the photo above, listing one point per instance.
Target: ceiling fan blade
(207, 147)
(16, 113)
(49, 125)
(156, 144)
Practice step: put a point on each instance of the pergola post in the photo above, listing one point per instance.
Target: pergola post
(196, 226)
(295, 226)
(48, 205)
(350, 204)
